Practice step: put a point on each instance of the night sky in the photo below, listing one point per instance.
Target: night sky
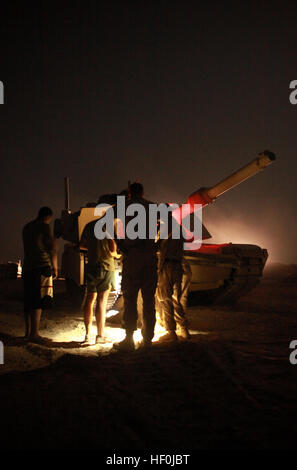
(174, 94)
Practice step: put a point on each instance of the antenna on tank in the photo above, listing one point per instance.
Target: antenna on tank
(67, 194)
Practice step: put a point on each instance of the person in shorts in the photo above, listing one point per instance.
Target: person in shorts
(100, 278)
(39, 268)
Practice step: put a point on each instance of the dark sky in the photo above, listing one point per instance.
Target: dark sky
(174, 94)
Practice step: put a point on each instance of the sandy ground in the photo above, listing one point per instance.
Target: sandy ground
(230, 387)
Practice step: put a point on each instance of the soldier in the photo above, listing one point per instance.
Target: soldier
(40, 264)
(100, 273)
(172, 290)
(139, 273)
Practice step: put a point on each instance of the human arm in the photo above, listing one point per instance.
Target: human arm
(83, 245)
(113, 248)
(54, 258)
(51, 244)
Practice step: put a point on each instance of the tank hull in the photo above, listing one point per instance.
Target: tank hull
(221, 274)
(224, 273)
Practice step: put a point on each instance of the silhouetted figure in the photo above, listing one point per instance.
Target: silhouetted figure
(40, 265)
(139, 273)
(170, 290)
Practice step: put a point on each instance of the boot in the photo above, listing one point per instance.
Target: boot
(145, 344)
(169, 337)
(126, 345)
(184, 333)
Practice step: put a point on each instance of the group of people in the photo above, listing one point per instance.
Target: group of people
(156, 268)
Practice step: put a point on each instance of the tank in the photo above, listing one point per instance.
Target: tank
(220, 273)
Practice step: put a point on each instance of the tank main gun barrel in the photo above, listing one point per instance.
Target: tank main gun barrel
(264, 159)
(205, 196)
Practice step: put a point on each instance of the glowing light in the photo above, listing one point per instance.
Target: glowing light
(113, 335)
(159, 331)
(118, 281)
(111, 313)
(19, 272)
(118, 334)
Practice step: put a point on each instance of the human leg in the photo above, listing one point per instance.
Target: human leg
(101, 311)
(88, 312)
(186, 281)
(148, 290)
(35, 317)
(27, 318)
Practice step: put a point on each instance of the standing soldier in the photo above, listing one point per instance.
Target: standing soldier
(139, 273)
(171, 292)
(40, 264)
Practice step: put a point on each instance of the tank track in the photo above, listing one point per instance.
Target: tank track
(245, 262)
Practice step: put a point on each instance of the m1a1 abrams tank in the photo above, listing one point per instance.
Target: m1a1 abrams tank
(220, 273)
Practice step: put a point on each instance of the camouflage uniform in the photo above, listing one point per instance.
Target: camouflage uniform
(186, 281)
(171, 292)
